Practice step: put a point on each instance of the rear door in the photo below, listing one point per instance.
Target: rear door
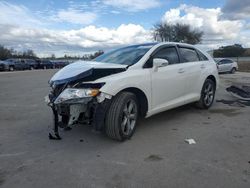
(194, 65)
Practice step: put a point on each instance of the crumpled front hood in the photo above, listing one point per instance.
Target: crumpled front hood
(85, 70)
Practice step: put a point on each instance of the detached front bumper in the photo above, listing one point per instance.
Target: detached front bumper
(89, 110)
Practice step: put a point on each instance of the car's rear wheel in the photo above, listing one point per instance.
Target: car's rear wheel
(233, 70)
(207, 94)
(121, 118)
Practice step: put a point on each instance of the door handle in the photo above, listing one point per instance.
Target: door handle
(181, 70)
(203, 66)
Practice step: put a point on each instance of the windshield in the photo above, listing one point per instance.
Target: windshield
(217, 60)
(126, 56)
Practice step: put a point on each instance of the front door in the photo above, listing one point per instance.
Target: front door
(168, 82)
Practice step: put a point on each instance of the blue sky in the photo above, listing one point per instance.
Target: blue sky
(76, 27)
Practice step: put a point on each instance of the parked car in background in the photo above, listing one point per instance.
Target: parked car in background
(2, 66)
(114, 89)
(226, 65)
(59, 63)
(30, 64)
(45, 64)
(12, 64)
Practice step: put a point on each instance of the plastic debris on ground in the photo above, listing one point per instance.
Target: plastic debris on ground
(240, 92)
(190, 141)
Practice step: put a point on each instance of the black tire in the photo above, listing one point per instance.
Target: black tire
(119, 124)
(233, 70)
(11, 68)
(207, 95)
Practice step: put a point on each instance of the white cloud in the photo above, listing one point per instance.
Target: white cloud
(22, 29)
(45, 41)
(133, 5)
(75, 16)
(17, 15)
(19, 30)
(207, 20)
(115, 12)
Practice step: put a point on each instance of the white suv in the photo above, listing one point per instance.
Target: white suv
(116, 88)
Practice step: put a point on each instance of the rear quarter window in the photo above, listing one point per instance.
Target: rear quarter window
(202, 56)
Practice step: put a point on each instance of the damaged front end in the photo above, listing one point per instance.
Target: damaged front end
(76, 100)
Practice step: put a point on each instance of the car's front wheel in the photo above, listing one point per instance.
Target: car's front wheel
(121, 118)
(207, 94)
(233, 70)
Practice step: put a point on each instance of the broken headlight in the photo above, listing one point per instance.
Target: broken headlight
(74, 94)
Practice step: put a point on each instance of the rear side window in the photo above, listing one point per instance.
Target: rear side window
(169, 53)
(202, 56)
(189, 55)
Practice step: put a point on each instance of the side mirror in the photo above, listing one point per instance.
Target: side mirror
(158, 62)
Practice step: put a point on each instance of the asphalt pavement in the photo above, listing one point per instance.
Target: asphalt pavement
(156, 156)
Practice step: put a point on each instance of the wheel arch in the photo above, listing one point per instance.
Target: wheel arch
(212, 77)
(141, 97)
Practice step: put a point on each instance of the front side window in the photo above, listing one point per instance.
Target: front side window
(169, 53)
(188, 54)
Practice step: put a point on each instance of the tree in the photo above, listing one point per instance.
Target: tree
(176, 33)
(235, 50)
(53, 56)
(96, 54)
(5, 53)
(28, 54)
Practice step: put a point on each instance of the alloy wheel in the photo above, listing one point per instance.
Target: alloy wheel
(208, 94)
(129, 117)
